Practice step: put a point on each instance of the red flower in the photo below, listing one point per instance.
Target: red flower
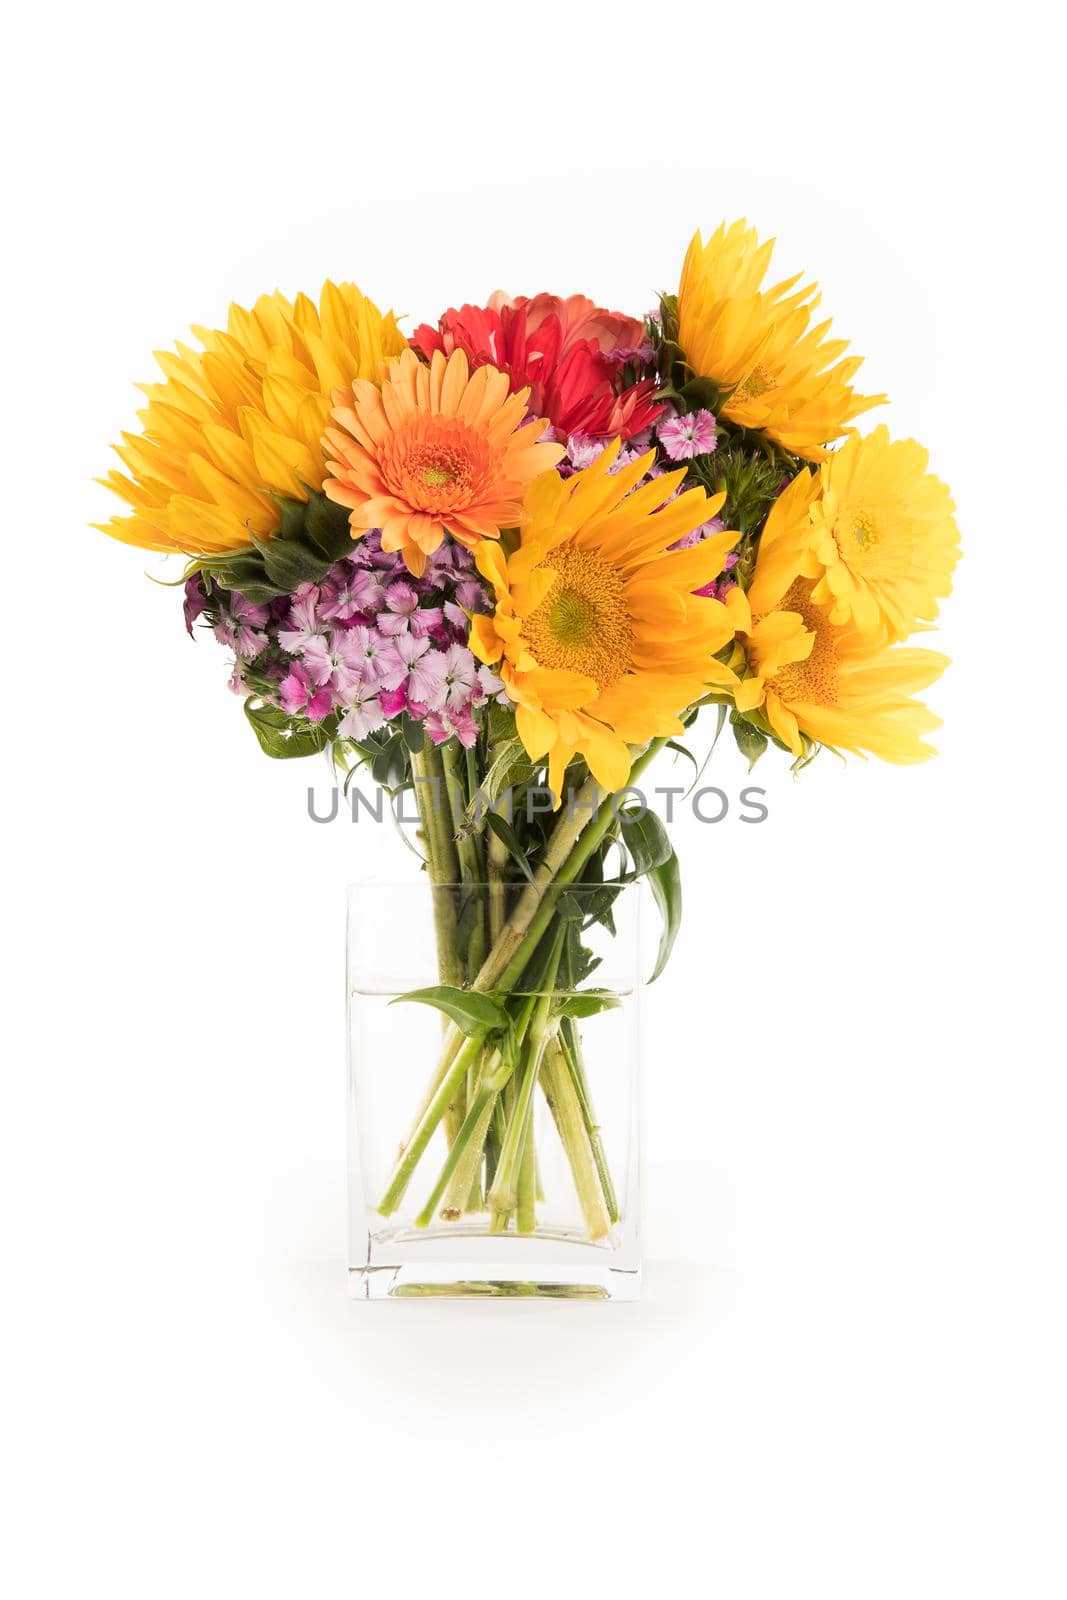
(566, 352)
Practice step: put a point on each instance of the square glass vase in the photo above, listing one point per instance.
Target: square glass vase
(493, 1145)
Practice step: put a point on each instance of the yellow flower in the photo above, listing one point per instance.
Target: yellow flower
(884, 539)
(600, 637)
(809, 675)
(788, 380)
(244, 416)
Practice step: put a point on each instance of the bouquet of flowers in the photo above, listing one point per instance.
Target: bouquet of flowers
(519, 552)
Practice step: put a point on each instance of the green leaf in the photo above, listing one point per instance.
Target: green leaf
(390, 764)
(284, 738)
(750, 740)
(506, 833)
(291, 562)
(588, 1003)
(645, 838)
(680, 750)
(327, 527)
(666, 884)
(414, 733)
(473, 1013)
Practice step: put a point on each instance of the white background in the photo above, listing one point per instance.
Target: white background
(847, 1376)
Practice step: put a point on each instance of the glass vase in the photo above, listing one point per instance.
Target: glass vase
(493, 1145)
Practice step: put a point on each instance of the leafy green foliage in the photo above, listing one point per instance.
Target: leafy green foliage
(311, 538)
(588, 1003)
(665, 882)
(506, 833)
(645, 838)
(750, 739)
(283, 737)
(474, 1014)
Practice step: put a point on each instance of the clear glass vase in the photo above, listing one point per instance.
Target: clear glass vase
(500, 1156)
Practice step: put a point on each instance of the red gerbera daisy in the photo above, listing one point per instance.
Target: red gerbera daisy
(568, 353)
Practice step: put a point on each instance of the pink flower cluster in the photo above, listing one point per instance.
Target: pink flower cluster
(367, 643)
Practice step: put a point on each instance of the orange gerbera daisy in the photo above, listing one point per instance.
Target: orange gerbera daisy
(436, 450)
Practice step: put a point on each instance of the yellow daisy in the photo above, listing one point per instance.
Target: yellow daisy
(884, 538)
(242, 419)
(600, 638)
(787, 379)
(807, 675)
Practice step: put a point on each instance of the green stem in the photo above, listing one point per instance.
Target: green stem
(567, 1114)
(571, 1040)
(569, 850)
(424, 1130)
(441, 862)
(526, 1201)
(458, 1172)
(503, 1196)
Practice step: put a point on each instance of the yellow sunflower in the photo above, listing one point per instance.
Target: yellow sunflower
(244, 416)
(884, 539)
(787, 379)
(600, 638)
(809, 675)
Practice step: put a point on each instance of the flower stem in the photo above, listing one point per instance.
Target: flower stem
(567, 1114)
(441, 862)
(503, 1196)
(424, 1130)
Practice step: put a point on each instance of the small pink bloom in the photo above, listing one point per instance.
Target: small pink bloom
(471, 595)
(393, 701)
(446, 724)
(425, 620)
(460, 676)
(424, 680)
(305, 623)
(582, 451)
(490, 687)
(379, 663)
(688, 436)
(402, 598)
(240, 626)
(698, 535)
(300, 696)
(357, 590)
(194, 601)
(335, 662)
(363, 713)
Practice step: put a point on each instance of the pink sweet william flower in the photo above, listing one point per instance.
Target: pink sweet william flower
(489, 687)
(194, 601)
(423, 681)
(471, 595)
(335, 662)
(357, 590)
(305, 623)
(688, 436)
(446, 724)
(698, 535)
(362, 712)
(582, 451)
(379, 663)
(460, 676)
(426, 620)
(240, 624)
(301, 697)
(402, 598)
(393, 701)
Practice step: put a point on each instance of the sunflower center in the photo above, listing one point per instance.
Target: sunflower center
(582, 624)
(814, 681)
